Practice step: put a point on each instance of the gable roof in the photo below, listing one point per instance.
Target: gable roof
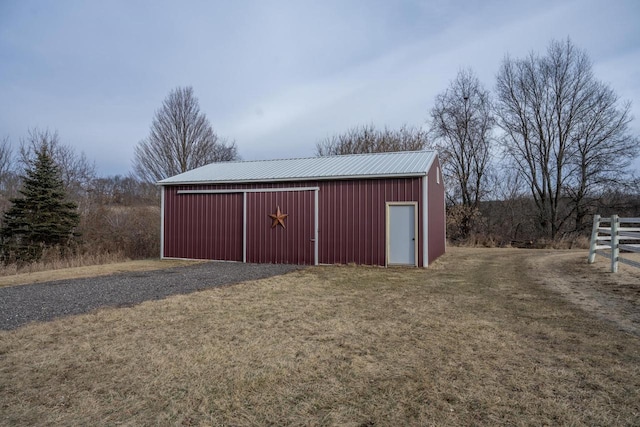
(377, 165)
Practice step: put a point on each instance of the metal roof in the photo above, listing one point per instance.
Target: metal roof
(377, 165)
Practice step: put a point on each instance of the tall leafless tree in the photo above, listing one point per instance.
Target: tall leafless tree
(462, 123)
(9, 181)
(564, 130)
(181, 139)
(6, 159)
(76, 171)
(604, 150)
(368, 139)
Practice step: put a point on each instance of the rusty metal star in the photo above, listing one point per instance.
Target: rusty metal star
(278, 218)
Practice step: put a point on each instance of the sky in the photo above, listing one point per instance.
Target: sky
(277, 76)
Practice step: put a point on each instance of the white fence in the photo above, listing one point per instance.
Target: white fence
(615, 238)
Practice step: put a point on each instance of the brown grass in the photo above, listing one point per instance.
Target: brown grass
(53, 261)
(474, 340)
(41, 275)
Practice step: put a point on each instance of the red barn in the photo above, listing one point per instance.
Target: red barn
(374, 209)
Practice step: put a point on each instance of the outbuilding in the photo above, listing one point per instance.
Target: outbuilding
(374, 209)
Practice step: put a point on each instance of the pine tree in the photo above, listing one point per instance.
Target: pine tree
(42, 217)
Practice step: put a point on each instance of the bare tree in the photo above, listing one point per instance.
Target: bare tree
(563, 130)
(6, 157)
(76, 171)
(181, 139)
(604, 150)
(462, 122)
(368, 139)
(120, 190)
(9, 181)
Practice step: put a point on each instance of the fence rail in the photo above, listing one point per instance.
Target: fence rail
(620, 235)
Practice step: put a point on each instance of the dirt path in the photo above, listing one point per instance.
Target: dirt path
(612, 297)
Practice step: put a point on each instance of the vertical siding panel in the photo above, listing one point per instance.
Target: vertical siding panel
(342, 220)
(271, 241)
(362, 225)
(206, 223)
(176, 210)
(299, 248)
(360, 220)
(251, 234)
(190, 226)
(323, 204)
(353, 229)
(368, 212)
(326, 205)
(329, 230)
(254, 233)
(237, 219)
(196, 234)
(304, 225)
(260, 249)
(333, 226)
(329, 208)
(197, 207)
(182, 219)
(223, 221)
(379, 233)
(336, 225)
(231, 223)
(200, 232)
(202, 226)
(259, 230)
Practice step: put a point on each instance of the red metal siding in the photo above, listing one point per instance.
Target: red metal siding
(436, 218)
(351, 216)
(278, 245)
(203, 226)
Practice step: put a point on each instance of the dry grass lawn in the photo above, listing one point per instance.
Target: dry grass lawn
(91, 271)
(478, 339)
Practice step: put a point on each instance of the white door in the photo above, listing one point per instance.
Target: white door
(401, 234)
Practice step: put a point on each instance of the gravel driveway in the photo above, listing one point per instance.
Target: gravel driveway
(45, 301)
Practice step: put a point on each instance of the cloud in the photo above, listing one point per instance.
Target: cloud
(274, 76)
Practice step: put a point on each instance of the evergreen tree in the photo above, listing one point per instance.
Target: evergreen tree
(42, 217)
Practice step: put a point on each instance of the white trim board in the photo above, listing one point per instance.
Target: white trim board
(248, 190)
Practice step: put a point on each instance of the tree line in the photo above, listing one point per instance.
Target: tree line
(55, 206)
(552, 142)
(529, 162)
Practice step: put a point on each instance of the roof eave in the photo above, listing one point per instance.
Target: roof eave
(311, 178)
